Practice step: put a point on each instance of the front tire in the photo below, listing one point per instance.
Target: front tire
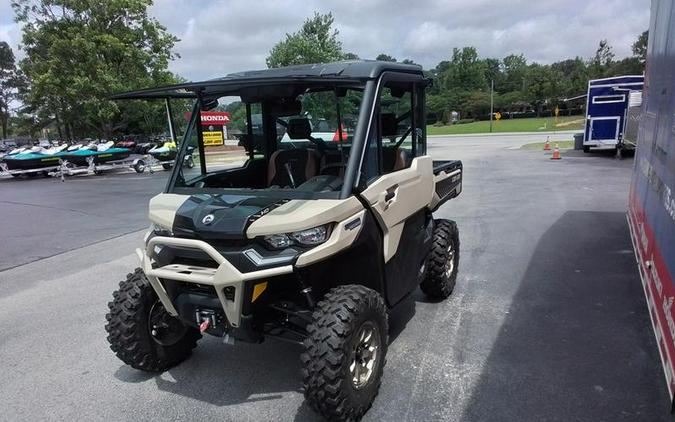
(345, 352)
(443, 261)
(141, 333)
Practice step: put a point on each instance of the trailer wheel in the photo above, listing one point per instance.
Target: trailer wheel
(141, 332)
(345, 352)
(443, 261)
(139, 166)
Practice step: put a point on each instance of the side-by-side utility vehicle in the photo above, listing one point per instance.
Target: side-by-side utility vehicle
(301, 236)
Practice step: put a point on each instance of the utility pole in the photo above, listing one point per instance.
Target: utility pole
(492, 102)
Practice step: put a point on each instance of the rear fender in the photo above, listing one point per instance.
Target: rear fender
(447, 182)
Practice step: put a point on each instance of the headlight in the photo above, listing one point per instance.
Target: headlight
(309, 237)
(278, 241)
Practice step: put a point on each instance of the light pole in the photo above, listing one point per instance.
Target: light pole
(492, 103)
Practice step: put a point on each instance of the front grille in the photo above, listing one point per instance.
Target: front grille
(197, 288)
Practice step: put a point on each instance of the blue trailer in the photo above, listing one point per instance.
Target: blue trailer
(607, 103)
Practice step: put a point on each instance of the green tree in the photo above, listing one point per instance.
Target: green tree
(315, 42)
(626, 66)
(385, 58)
(78, 52)
(465, 71)
(493, 71)
(514, 68)
(602, 61)
(542, 86)
(476, 104)
(574, 76)
(10, 83)
(639, 47)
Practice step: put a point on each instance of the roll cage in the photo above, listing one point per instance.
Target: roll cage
(268, 86)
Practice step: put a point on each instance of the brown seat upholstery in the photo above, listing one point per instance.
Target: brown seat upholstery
(402, 159)
(395, 158)
(293, 167)
(301, 163)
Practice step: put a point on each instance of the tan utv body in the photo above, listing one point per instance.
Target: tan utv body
(306, 240)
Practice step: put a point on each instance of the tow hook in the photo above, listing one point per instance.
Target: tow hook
(204, 325)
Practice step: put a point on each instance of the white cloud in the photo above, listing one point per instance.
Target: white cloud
(219, 37)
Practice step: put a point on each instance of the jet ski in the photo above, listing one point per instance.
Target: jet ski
(101, 153)
(35, 158)
(165, 152)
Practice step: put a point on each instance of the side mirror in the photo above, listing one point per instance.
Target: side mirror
(207, 105)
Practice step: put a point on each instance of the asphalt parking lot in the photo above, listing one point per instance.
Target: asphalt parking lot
(547, 321)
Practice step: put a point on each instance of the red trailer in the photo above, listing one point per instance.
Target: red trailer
(651, 212)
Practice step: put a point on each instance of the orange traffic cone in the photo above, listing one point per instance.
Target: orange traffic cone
(547, 145)
(556, 153)
(336, 136)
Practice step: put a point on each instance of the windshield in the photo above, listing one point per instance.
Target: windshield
(290, 146)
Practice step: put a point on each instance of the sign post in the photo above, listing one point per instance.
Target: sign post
(492, 102)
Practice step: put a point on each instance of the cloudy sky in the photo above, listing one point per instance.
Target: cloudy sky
(219, 37)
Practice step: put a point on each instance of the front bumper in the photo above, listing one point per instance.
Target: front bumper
(224, 276)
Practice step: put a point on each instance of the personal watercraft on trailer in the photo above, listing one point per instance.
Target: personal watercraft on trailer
(165, 152)
(101, 153)
(35, 158)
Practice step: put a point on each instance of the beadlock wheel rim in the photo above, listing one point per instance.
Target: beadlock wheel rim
(164, 329)
(365, 353)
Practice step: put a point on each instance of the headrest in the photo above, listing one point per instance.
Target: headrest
(299, 128)
(389, 125)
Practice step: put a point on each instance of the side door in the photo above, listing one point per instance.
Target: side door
(404, 187)
(605, 115)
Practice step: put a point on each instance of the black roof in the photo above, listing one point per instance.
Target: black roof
(343, 72)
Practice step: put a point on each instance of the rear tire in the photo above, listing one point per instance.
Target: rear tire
(345, 352)
(587, 149)
(443, 261)
(166, 166)
(129, 328)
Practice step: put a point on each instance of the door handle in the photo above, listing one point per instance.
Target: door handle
(390, 193)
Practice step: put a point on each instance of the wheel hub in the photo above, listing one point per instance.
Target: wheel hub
(364, 354)
(164, 328)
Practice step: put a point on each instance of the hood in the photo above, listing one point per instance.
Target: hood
(206, 216)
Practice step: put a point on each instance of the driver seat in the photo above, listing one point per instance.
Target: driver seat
(293, 167)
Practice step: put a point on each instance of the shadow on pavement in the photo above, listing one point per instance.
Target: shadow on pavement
(223, 375)
(577, 344)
